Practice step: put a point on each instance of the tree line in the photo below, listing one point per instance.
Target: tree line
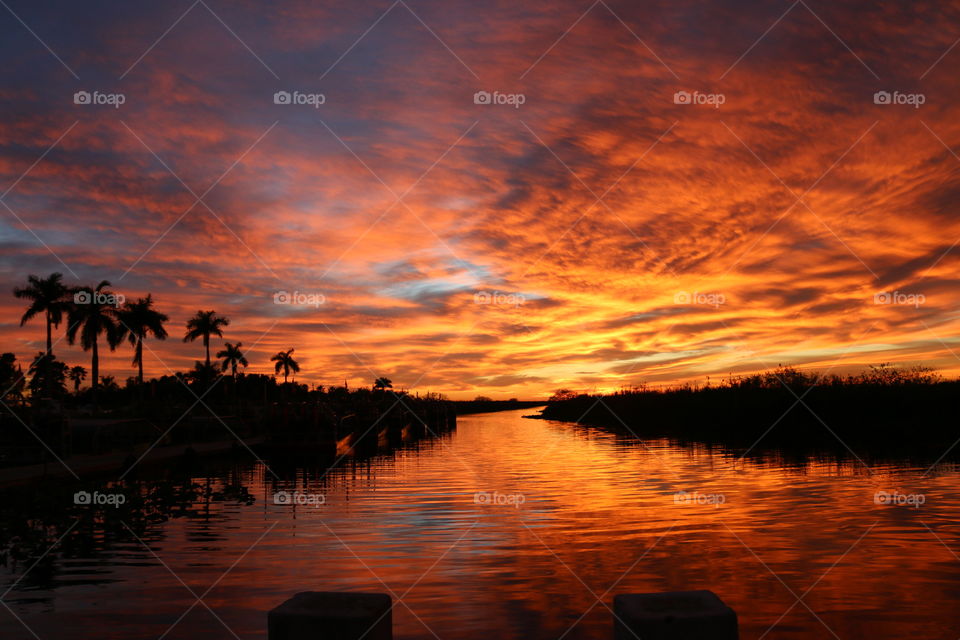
(96, 316)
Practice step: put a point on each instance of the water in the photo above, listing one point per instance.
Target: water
(799, 551)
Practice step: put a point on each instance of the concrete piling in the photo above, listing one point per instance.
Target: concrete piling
(673, 615)
(332, 615)
(344, 615)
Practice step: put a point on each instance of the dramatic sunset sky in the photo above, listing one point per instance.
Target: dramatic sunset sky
(618, 236)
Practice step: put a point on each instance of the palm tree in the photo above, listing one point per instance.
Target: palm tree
(137, 319)
(203, 325)
(48, 296)
(77, 374)
(232, 357)
(285, 361)
(94, 315)
(383, 383)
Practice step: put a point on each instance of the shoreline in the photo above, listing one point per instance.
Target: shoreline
(106, 463)
(882, 422)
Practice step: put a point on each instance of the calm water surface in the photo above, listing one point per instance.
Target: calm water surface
(800, 551)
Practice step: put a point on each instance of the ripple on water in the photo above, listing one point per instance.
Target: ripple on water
(592, 514)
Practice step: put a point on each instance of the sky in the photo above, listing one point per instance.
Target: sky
(493, 198)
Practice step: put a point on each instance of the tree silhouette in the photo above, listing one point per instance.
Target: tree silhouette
(137, 319)
(77, 375)
(48, 296)
(382, 383)
(203, 325)
(562, 394)
(232, 356)
(48, 375)
(285, 361)
(11, 378)
(94, 313)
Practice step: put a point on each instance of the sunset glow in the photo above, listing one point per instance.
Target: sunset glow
(651, 194)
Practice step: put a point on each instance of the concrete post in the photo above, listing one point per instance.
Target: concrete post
(332, 615)
(674, 615)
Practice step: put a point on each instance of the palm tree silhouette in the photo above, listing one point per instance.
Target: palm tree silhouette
(77, 374)
(48, 296)
(203, 325)
(382, 383)
(285, 361)
(94, 313)
(232, 357)
(137, 319)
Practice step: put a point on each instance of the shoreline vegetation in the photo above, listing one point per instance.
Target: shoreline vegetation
(882, 413)
(49, 419)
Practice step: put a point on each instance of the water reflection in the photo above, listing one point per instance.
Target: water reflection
(802, 545)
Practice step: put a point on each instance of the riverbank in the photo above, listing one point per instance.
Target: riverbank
(40, 442)
(899, 415)
(117, 463)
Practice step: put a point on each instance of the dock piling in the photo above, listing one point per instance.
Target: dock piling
(332, 615)
(673, 615)
(345, 615)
